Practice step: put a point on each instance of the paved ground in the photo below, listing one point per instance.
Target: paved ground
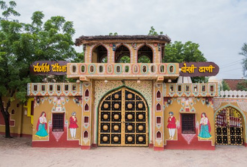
(17, 152)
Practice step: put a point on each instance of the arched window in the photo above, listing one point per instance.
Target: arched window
(86, 107)
(145, 55)
(86, 93)
(158, 94)
(85, 134)
(158, 135)
(158, 107)
(99, 54)
(122, 55)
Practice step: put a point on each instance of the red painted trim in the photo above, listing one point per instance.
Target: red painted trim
(26, 135)
(245, 144)
(158, 148)
(194, 145)
(85, 147)
(151, 145)
(94, 145)
(71, 144)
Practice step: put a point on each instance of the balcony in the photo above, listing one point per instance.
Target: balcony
(54, 89)
(191, 90)
(86, 71)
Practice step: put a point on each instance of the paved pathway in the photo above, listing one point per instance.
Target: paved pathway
(17, 152)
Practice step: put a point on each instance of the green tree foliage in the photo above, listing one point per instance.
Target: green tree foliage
(242, 85)
(179, 52)
(225, 86)
(124, 59)
(144, 59)
(153, 32)
(21, 44)
(113, 34)
(244, 60)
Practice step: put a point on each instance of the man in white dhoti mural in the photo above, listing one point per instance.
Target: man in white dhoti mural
(171, 125)
(73, 125)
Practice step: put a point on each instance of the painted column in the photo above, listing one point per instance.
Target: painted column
(87, 109)
(158, 112)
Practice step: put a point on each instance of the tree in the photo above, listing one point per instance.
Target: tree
(144, 59)
(242, 85)
(225, 86)
(113, 34)
(124, 59)
(179, 52)
(21, 44)
(244, 60)
(153, 32)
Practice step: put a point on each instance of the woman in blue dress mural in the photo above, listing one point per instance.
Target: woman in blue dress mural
(42, 126)
(205, 127)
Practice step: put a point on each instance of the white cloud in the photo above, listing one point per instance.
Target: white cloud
(218, 26)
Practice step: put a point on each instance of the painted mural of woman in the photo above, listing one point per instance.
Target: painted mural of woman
(205, 127)
(42, 126)
(171, 125)
(73, 125)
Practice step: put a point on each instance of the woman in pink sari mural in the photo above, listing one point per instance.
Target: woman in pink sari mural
(42, 126)
(205, 127)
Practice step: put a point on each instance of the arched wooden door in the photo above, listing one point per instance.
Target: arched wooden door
(229, 127)
(123, 119)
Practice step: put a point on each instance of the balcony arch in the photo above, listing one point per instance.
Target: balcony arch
(122, 54)
(145, 54)
(99, 54)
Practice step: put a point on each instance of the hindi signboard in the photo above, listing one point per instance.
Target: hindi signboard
(49, 68)
(194, 69)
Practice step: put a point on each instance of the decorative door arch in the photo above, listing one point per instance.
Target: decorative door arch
(229, 127)
(123, 119)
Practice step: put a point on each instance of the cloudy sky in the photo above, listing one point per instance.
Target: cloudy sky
(218, 26)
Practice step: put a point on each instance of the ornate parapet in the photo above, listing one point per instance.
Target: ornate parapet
(86, 71)
(191, 90)
(233, 94)
(54, 89)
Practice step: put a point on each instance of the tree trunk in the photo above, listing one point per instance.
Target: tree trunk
(6, 121)
(6, 116)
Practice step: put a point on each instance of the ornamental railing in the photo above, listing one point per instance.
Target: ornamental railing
(54, 89)
(233, 94)
(130, 70)
(191, 89)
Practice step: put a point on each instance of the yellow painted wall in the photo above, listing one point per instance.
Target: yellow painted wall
(22, 122)
(199, 106)
(47, 104)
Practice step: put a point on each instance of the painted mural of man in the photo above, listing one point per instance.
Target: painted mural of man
(171, 125)
(73, 125)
